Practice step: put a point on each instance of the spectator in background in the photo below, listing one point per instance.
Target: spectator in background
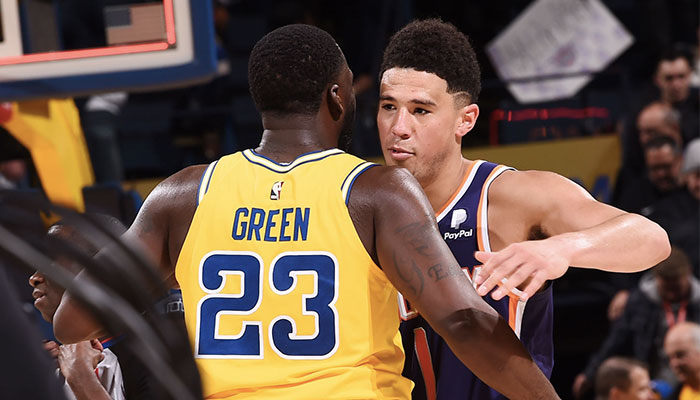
(673, 73)
(658, 119)
(621, 378)
(682, 346)
(90, 371)
(633, 190)
(120, 375)
(679, 214)
(672, 89)
(663, 157)
(673, 78)
(670, 296)
(24, 364)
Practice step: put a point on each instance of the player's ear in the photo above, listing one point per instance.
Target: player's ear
(615, 393)
(467, 119)
(334, 101)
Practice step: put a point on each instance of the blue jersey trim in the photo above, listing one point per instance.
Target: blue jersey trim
(211, 174)
(352, 182)
(287, 167)
(284, 165)
(201, 180)
(199, 187)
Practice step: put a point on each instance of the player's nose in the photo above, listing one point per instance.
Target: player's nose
(35, 279)
(401, 126)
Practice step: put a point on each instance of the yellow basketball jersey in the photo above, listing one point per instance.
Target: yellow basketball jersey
(281, 298)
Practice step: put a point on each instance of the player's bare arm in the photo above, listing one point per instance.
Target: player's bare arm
(579, 231)
(418, 262)
(159, 230)
(161, 226)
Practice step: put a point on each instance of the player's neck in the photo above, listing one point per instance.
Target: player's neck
(284, 139)
(446, 182)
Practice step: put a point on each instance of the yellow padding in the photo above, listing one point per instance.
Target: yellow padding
(50, 130)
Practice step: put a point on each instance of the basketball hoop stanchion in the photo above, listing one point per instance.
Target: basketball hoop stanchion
(156, 45)
(50, 130)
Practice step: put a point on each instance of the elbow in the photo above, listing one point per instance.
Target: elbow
(649, 243)
(660, 244)
(470, 325)
(664, 247)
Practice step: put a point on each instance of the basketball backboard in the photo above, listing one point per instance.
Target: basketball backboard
(52, 48)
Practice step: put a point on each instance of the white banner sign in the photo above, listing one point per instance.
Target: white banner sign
(561, 42)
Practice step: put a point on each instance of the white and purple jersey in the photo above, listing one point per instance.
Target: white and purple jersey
(436, 371)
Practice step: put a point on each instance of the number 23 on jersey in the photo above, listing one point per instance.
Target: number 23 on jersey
(278, 328)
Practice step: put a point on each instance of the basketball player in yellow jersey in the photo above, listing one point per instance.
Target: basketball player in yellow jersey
(289, 255)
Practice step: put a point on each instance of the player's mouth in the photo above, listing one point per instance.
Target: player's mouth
(399, 154)
(39, 296)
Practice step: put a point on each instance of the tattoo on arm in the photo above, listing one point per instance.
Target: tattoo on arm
(439, 272)
(414, 235)
(406, 267)
(409, 272)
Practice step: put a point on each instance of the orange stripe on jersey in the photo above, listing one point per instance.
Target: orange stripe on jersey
(464, 179)
(512, 311)
(426, 362)
(479, 222)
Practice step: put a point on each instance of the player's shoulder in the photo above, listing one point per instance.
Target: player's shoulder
(177, 192)
(529, 184)
(389, 179)
(385, 186)
(181, 182)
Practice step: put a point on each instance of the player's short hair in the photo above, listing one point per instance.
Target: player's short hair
(675, 266)
(290, 67)
(615, 372)
(436, 47)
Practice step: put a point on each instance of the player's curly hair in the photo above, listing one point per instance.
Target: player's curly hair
(290, 67)
(437, 47)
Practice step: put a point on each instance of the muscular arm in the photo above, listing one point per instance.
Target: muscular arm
(420, 265)
(582, 233)
(159, 230)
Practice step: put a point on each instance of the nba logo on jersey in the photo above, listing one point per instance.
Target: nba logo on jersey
(276, 190)
(458, 216)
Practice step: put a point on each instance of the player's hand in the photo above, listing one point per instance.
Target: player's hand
(532, 262)
(80, 358)
(52, 348)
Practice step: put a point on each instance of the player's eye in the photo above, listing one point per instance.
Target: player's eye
(388, 107)
(421, 111)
